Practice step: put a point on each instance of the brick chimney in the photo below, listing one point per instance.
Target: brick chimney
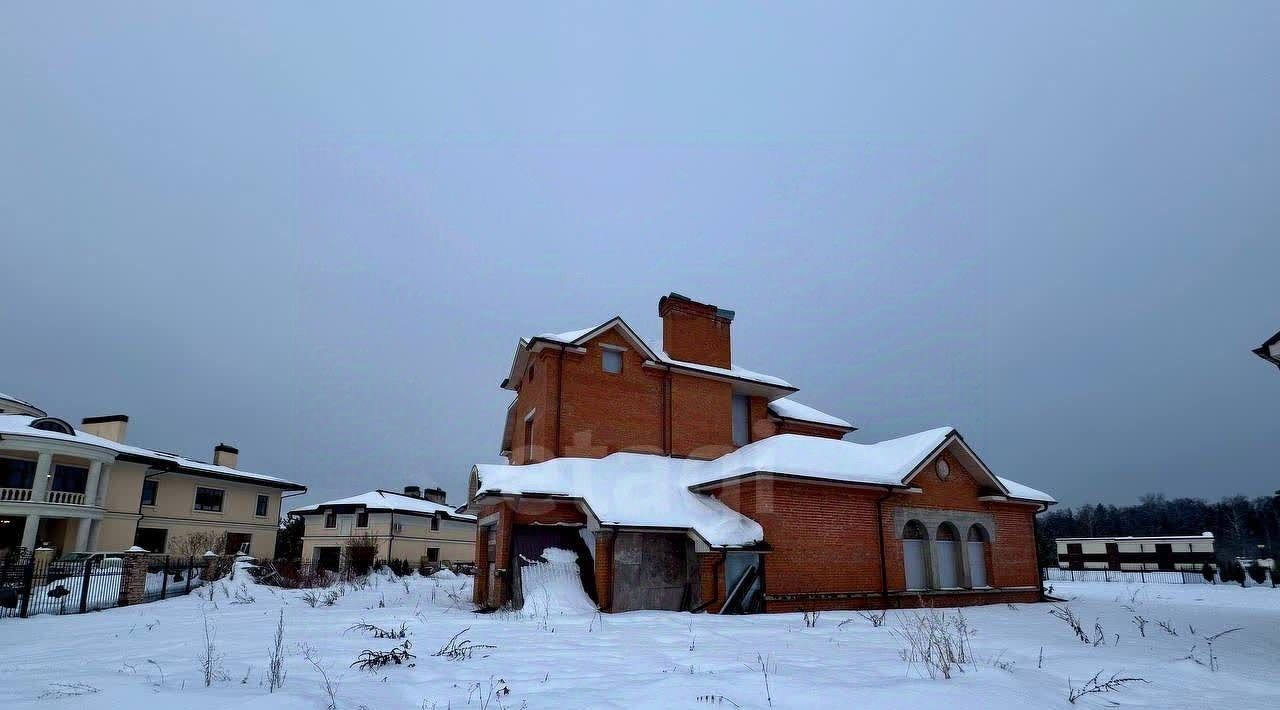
(225, 455)
(435, 495)
(695, 332)
(413, 491)
(110, 427)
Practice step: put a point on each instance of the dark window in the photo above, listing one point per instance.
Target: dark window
(528, 440)
(741, 420)
(16, 473)
(150, 539)
(611, 360)
(209, 499)
(51, 424)
(149, 489)
(236, 541)
(330, 519)
(70, 479)
(362, 519)
(1075, 555)
(433, 554)
(264, 503)
(435, 523)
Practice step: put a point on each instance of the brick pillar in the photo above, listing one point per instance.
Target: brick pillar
(604, 567)
(502, 555)
(480, 587)
(133, 579)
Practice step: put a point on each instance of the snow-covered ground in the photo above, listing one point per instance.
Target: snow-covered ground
(560, 657)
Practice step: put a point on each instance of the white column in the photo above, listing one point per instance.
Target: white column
(103, 482)
(91, 484)
(40, 487)
(95, 529)
(82, 535)
(29, 532)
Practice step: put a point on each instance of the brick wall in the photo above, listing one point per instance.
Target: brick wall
(824, 540)
(602, 412)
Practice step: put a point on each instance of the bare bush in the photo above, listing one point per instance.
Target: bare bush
(461, 649)
(330, 688)
(811, 618)
(1141, 623)
(371, 660)
(1097, 685)
(877, 620)
(1167, 626)
(1066, 614)
(195, 544)
(936, 641)
(210, 661)
(379, 632)
(275, 664)
(360, 552)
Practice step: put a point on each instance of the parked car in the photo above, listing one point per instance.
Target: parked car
(72, 564)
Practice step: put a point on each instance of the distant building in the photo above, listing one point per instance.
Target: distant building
(417, 526)
(85, 490)
(1270, 350)
(684, 481)
(1172, 552)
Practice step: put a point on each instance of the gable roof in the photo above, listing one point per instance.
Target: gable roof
(21, 403)
(579, 338)
(649, 490)
(19, 425)
(787, 408)
(377, 500)
(1269, 350)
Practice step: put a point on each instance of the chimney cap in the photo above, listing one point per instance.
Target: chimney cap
(106, 418)
(666, 301)
(227, 448)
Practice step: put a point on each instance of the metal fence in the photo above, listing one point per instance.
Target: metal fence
(29, 587)
(1057, 574)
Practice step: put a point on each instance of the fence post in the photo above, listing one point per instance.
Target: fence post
(28, 575)
(164, 578)
(84, 586)
(190, 566)
(1142, 572)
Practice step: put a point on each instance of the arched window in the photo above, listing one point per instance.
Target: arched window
(52, 424)
(915, 541)
(977, 544)
(948, 546)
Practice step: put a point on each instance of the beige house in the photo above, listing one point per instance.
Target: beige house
(417, 526)
(87, 490)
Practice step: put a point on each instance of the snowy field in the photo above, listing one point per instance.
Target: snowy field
(562, 655)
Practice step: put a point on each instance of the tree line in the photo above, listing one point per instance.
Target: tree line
(1239, 524)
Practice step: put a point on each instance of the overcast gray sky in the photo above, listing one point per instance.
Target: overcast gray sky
(317, 232)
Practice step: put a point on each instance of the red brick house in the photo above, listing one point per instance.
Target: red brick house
(686, 482)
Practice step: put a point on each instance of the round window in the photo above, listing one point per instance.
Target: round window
(944, 471)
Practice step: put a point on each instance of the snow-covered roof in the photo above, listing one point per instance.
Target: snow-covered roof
(388, 500)
(20, 402)
(634, 490)
(19, 425)
(657, 491)
(1018, 490)
(788, 408)
(583, 335)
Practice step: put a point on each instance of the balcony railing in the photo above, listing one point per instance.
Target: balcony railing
(18, 495)
(64, 497)
(23, 495)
